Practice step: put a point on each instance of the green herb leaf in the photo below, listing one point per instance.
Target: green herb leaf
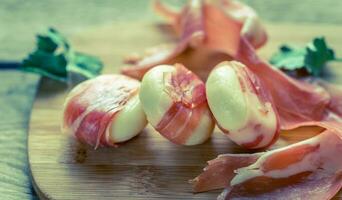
(312, 58)
(317, 55)
(55, 59)
(290, 58)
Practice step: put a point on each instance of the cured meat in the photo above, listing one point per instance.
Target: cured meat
(209, 33)
(305, 170)
(97, 111)
(335, 104)
(315, 153)
(220, 171)
(317, 185)
(242, 106)
(175, 104)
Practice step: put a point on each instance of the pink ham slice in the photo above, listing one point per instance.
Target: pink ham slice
(309, 169)
(92, 105)
(220, 171)
(335, 105)
(204, 40)
(317, 185)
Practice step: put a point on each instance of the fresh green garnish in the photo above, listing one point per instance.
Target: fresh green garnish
(55, 59)
(312, 58)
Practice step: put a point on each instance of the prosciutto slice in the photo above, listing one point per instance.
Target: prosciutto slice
(335, 104)
(305, 170)
(317, 185)
(92, 106)
(209, 33)
(220, 171)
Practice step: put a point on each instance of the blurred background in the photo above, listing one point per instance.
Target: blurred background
(21, 20)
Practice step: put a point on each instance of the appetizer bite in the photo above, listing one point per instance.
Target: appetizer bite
(242, 106)
(104, 111)
(175, 104)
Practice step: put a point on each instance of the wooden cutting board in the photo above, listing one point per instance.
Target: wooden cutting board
(149, 166)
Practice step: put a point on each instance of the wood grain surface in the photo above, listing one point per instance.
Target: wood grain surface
(148, 166)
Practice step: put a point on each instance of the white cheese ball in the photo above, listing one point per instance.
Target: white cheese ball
(241, 105)
(172, 99)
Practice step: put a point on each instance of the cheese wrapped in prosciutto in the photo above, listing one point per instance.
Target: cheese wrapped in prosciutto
(104, 111)
(242, 106)
(175, 104)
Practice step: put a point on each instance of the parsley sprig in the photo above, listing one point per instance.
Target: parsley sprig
(54, 58)
(312, 58)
